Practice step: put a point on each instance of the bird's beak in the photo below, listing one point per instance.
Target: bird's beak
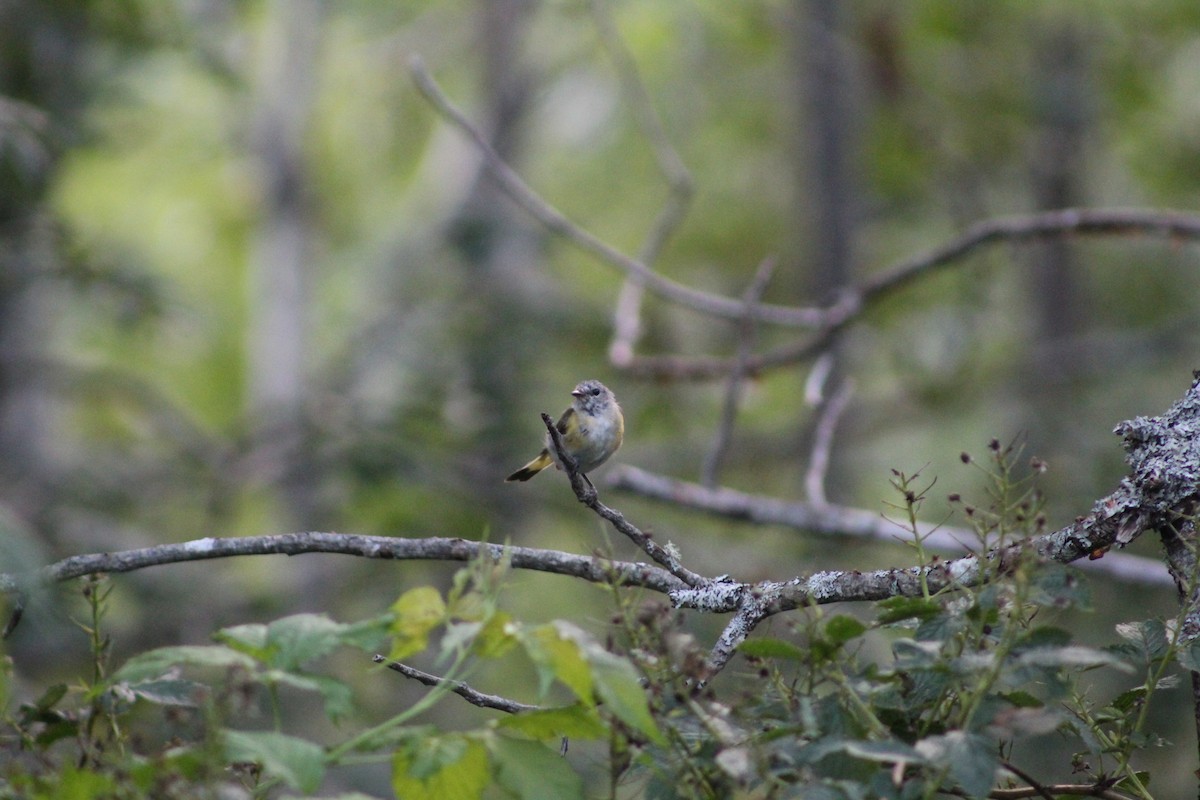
(576, 393)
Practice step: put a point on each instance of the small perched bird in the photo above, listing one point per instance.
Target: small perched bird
(592, 428)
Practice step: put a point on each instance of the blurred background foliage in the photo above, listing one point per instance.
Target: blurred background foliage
(250, 283)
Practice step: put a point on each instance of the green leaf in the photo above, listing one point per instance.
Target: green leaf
(417, 612)
(451, 767)
(970, 758)
(619, 686)
(1023, 699)
(1071, 657)
(1058, 586)
(842, 628)
(558, 658)
(1188, 655)
(532, 771)
(297, 762)
(459, 636)
(499, 635)
(155, 663)
(576, 721)
(250, 639)
(367, 635)
(169, 692)
(771, 648)
(570, 655)
(1149, 636)
(337, 695)
(883, 752)
(1044, 636)
(50, 697)
(295, 640)
(897, 609)
(76, 783)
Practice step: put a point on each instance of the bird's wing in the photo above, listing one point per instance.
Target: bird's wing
(565, 419)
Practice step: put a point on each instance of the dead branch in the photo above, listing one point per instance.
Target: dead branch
(472, 696)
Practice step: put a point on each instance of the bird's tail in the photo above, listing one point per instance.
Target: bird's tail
(532, 468)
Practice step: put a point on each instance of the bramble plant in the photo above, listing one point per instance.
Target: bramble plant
(923, 696)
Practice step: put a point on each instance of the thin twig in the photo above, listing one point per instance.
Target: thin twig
(627, 315)
(587, 494)
(472, 696)
(733, 386)
(818, 462)
(1037, 788)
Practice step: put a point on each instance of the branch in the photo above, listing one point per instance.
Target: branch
(733, 385)
(1162, 490)
(556, 222)
(586, 494)
(596, 570)
(855, 300)
(1022, 227)
(837, 520)
(627, 322)
(831, 411)
(472, 696)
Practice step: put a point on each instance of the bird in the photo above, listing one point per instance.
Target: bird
(592, 429)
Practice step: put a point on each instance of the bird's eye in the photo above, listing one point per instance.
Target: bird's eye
(596, 392)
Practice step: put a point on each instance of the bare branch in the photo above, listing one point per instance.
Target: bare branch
(472, 696)
(586, 493)
(837, 520)
(555, 221)
(733, 387)
(854, 301)
(627, 327)
(818, 461)
(1022, 227)
(597, 570)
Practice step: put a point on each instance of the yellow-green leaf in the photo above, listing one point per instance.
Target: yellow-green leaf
(576, 721)
(451, 767)
(558, 657)
(417, 612)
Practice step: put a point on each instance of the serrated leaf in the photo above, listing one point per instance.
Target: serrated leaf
(842, 628)
(155, 663)
(297, 762)
(417, 612)
(766, 647)
(532, 771)
(970, 758)
(1149, 636)
(450, 767)
(293, 641)
(576, 721)
(1129, 699)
